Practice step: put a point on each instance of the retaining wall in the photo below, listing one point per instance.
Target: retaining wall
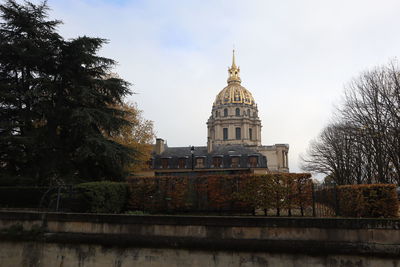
(62, 239)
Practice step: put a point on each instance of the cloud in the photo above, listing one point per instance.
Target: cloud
(295, 57)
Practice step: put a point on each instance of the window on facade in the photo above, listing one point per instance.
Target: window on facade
(225, 133)
(217, 162)
(248, 112)
(216, 113)
(237, 112)
(250, 134)
(225, 112)
(164, 163)
(199, 162)
(238, 133)
(235, 162)
(253, 160)
(181, 163)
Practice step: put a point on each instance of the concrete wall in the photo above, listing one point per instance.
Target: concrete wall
(51, 239)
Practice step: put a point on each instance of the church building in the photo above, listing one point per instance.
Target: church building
(233, 142)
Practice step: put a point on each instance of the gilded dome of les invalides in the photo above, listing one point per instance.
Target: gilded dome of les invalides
(234, 93)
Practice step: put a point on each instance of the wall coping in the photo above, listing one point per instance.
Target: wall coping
(223, 221)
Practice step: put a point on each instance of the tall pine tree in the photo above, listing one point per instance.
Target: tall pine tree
(56, 99)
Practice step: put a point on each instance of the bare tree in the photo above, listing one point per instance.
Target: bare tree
(364, 145)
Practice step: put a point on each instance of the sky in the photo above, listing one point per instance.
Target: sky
(296, 57)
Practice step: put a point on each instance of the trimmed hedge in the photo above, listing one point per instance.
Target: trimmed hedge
(220, 193)
(371, 200)
(21, 196)
(98, 197)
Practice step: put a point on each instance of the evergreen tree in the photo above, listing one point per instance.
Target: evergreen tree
(56, 99)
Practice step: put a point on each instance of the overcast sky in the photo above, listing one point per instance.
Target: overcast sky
(295, 56)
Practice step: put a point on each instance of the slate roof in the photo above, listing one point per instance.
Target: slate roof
(173, 154)
(233, 150)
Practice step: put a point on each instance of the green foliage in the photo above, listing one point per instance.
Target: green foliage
(56, 99)
(21, 196)
(101, 197)
(372, 200)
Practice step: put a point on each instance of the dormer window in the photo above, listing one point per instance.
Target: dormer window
(181, 163)
(217, 162)
(235, 162)
(200, 162)
(253, 161)
(164, 163)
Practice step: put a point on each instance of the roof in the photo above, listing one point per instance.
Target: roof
(233, 150)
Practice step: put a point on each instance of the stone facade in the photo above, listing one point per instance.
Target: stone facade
(233, 141)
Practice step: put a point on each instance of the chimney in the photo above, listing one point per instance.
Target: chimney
(159, 146)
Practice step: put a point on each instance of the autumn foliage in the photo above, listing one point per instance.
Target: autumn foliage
(371, 200)
(223, 193)
(137, 135)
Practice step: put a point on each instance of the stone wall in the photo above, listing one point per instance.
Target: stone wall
(56, 239)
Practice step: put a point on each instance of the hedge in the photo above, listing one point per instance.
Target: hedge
(220, 193)
(372, 200)
(98, 197)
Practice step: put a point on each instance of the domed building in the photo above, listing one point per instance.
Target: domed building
(233, 143)
(234, 117)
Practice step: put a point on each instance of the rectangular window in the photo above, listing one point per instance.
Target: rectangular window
(238, 133)
(181, 163)
(251, 134)
(217, 162)
(253, 160)
(225, 132)
(199, 162)
(164, 163)
(235, 162)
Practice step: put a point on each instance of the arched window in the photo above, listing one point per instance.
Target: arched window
(248, 113)
(237, 112)
(225, 112)
(250, 134)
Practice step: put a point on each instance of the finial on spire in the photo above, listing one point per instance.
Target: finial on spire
(234, 70)
(233, 59)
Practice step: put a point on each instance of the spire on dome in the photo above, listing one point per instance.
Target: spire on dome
(234, 71)
(233, 59)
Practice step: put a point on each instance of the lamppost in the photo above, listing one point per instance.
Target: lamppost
(192, 152)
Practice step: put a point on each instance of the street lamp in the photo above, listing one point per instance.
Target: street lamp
(192, 152)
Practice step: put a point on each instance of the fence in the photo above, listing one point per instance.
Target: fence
(325, 200)
(272, 194)
(268, 195)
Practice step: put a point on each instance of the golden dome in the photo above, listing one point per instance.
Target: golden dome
(234, 93)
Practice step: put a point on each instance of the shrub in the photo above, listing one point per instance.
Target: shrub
(372, 200)
(99, 197)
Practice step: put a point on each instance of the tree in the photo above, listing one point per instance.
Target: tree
(55, 102)
(138, 135)
(363, 146)
(335, 153)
